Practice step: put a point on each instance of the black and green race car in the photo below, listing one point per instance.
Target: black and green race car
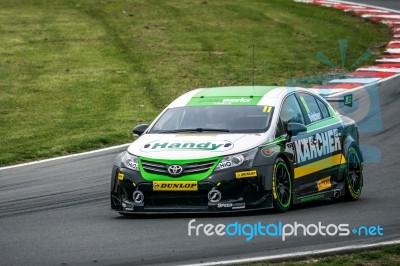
(239, 148)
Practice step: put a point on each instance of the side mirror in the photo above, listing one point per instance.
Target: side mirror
(295, 128)
(140, 129)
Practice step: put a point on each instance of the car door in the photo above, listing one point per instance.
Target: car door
(292, 111)
(318, 151)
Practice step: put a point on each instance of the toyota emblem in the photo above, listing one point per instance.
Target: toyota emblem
(175, 170)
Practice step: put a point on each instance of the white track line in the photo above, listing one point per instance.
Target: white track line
(65, 157)
(355, 80)
(393, 50)
(379, 69)
(369, 11)
(380, 16)
(298, 255)
(390, 22)
(388, 60)
(352, 3)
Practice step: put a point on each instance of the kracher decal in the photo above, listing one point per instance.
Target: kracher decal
(317, 146)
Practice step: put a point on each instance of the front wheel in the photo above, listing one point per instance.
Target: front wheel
(354, 175)
(281, 186)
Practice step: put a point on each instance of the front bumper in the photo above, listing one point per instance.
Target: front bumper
(235, 194)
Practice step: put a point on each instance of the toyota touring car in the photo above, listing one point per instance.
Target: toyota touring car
(239, 148)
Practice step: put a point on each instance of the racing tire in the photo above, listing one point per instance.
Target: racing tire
(281, 186)
(353, 175)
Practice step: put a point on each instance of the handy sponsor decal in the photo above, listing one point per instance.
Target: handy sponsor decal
(317, 146)
(217, 146)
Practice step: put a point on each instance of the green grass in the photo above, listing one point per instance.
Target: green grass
(77, 75)
(388, 256)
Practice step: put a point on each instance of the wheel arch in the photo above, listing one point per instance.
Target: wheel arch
(114, 172)
(350, 142)
(267, 182)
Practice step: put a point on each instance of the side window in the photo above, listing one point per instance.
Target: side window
(311, 106)
(291, 112)
(323, 108)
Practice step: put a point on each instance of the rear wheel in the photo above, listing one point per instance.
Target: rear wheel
(281, 186)
(354, 176)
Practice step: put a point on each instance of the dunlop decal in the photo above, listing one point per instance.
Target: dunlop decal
(246, 174)
(175, 186)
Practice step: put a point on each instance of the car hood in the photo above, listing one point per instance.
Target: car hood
(193, 146)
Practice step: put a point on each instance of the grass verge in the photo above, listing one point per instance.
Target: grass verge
(77, 75)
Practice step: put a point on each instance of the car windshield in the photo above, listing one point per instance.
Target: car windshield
(236, 119)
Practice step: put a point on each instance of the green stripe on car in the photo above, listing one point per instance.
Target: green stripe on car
(238, 95)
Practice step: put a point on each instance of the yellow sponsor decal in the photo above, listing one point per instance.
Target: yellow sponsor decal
(246, 174)
(121, 176)
(175, 186)
(319, 165)
(324, 183)
(267, 109)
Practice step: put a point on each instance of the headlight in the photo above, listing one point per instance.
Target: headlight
(130, 161)
(245, 159)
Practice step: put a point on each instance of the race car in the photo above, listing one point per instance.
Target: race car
(239, 148)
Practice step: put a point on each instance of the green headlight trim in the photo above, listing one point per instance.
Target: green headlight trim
(189, 177)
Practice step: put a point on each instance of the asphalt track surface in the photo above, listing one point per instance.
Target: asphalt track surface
(57, 213)
(393, 4)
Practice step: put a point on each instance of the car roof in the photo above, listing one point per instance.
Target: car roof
(234, 95)
(236, 91)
